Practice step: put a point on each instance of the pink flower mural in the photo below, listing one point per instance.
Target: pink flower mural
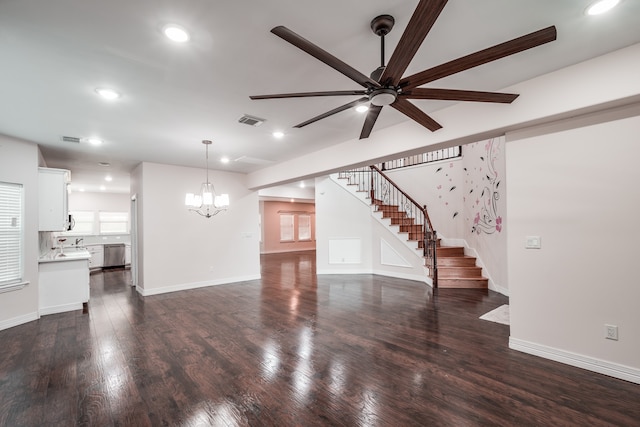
(487, 219)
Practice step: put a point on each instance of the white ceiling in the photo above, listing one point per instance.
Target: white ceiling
(55, 53)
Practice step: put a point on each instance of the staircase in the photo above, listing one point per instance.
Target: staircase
(448, 266)
(457, 270)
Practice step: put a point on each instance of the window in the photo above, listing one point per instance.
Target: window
(304, 227)
(286, 228)
(11, 234)
(84, 223)
(113, 222)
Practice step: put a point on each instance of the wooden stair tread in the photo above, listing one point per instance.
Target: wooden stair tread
(460, 272)
(463, 282)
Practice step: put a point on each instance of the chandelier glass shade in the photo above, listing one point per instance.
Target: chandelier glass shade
(207, 203)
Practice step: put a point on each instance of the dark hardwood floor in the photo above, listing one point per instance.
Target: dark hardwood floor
(292, 349)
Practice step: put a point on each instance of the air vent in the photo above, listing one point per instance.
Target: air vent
(251, 120)
(71, 139)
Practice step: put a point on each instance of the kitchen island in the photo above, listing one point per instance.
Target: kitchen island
(64, 281)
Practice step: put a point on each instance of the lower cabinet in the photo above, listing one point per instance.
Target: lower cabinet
(97, 256)
(64, 286)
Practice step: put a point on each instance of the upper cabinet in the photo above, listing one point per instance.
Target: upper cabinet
(53, 199)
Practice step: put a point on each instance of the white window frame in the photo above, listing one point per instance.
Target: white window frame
(113, 218)
(304, 230)
(12, 214)
(286, 228)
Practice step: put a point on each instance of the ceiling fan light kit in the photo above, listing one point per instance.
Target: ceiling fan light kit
(386, 85)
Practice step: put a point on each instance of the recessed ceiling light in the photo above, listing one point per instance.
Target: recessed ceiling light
(81, 190)
(104, 164)
(601, 6)
(107, 93)
(362, 108)
(278, 134)
(224, 160)
(94, 141)
(302, 184)
(108, 178)
(102, 188)
(176, 33)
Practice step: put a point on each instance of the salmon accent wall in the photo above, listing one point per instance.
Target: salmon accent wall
(270, 212)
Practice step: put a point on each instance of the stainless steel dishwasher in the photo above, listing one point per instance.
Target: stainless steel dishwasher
(114, 255)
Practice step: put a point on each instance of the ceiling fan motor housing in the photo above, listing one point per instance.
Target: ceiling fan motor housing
(382, 97)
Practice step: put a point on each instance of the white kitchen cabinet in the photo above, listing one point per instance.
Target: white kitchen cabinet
(64, 285)
(97, 256)
(53, 199)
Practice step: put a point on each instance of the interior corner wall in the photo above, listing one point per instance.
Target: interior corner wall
(19, 165)
(271, 226)
(182, 250)
(577, 189)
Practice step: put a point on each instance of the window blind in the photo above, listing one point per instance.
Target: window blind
(11, 236)
(113, 222)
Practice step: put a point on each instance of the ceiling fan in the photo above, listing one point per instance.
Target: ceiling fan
(386, 86)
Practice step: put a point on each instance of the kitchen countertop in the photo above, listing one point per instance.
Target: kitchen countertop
(70, 254)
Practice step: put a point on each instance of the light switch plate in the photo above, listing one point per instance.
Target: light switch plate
(533, 242)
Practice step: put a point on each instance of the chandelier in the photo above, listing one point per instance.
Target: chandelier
(207, 203)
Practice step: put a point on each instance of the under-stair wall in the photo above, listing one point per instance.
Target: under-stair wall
(350, 240)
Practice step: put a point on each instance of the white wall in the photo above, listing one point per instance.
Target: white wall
(341, 217)
(346, 229)
(182, 250)
(439, 186)
(19, 164)
(578, 190)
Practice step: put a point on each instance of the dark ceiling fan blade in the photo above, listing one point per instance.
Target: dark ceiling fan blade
(419, 25)
(493, 53)
(372, 116)
(459, 95)
(334, 111)
(413, 112)
(324, 56)
(306, 94)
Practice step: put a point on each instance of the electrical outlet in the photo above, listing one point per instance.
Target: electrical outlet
(611, 332)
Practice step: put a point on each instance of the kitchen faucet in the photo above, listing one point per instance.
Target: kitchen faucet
(79, 240)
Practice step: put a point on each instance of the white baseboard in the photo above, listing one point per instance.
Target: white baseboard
(398, 275)
(194, 285)
(287, 251)
(343, 271)
(611, 369)
(60, 308)
(19, 320)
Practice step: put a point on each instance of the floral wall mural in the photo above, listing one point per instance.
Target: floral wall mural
(484, 188)
(485, 207)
